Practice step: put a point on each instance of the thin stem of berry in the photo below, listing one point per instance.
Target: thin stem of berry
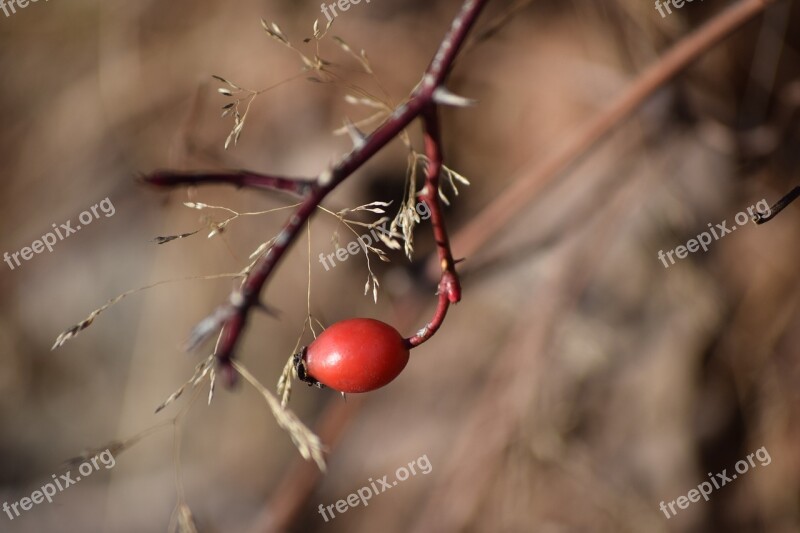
(449, 290)
(232, 316)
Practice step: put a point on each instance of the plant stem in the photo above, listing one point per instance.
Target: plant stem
(232, 316)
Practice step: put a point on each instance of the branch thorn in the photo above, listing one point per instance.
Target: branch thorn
(443, 96)
(356, 135)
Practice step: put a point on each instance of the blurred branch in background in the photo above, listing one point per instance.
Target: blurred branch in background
(540, 175)
(578, 385)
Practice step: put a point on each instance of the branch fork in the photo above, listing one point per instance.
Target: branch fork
(423, 102)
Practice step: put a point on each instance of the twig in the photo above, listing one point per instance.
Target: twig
(449, 290)
(518, 195)
(232, 316)
(790, 197)
(296, 487)
(508, 391)
(239, 178)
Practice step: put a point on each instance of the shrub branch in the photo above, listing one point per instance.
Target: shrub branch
(232, 316)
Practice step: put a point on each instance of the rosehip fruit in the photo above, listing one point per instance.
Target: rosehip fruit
(354, 355)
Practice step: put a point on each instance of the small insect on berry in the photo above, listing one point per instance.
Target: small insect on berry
(354, 355)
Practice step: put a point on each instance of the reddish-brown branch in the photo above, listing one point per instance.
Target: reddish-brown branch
(298, 486)
(238, 178)
(449, 286)
(232, 316)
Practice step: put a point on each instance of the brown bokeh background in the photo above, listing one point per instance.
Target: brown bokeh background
(577, 385)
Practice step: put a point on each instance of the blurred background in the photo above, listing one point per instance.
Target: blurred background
(578, 384)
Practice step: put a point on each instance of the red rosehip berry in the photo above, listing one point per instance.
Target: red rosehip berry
(354, 355)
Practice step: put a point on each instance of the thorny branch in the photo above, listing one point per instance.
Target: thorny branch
(288, 502)
(232, 316)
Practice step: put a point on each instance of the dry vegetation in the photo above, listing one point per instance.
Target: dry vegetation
(577, 385)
